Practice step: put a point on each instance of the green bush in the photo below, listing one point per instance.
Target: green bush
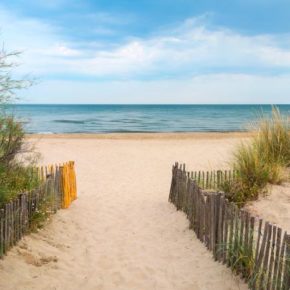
(11, 139)
(15, 176)
(16, 179)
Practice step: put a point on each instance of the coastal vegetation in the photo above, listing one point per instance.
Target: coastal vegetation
(265, 160)
(17, 174)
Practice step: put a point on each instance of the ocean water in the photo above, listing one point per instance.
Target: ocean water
(139, 118)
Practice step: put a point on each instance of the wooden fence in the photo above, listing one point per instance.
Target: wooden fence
(57, 190)
(213, 179)
(258, 251)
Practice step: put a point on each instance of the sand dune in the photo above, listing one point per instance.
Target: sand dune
(121, 233)
(274, 206)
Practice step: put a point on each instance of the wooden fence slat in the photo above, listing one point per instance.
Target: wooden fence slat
(16, 222)
(2, 233)
(198, 178)
(204, 219)
(226, 229)
(266, 257)
(251, 244)
(6, 227)
(281, 266)
(241, 243)
(220, 226)
(216, 209)
(235, 246)
(271, 263)
(191, 201)
(258, 240)
(13, 214)
(198, 216)
(277, 257)
(258, 265)
(247, 223)
(231, 234)
(212, 221)
(208, 204)
(286, 282)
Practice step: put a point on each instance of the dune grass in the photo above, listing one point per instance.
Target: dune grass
(266, 159)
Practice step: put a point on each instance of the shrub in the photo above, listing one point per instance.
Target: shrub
(16, 179)
(15, 175)
(11, 139)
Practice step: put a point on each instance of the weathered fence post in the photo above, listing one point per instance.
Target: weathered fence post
(286, 283)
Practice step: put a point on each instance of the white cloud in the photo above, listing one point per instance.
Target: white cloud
(189, 49)
(275, 56)
(194, 49)
(59, 50)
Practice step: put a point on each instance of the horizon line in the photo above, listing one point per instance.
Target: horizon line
(153, 104)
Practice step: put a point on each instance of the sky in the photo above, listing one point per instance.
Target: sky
(150, 51)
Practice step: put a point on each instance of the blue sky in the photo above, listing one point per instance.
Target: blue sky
(145, 51)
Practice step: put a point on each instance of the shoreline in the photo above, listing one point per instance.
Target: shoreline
(143, 136)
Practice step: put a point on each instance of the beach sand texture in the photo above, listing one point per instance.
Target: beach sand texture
(274, 206)
(121, 233)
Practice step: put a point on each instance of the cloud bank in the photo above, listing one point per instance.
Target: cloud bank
(191, 62)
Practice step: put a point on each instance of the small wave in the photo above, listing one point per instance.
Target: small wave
(41, 132)
(128, 131)
(70, 121)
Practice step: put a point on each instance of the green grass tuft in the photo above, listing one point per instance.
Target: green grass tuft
(264, 160)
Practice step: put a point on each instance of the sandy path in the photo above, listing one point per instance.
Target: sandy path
(121, 233)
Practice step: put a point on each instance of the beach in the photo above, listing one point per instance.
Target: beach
(122, 233)
(144, 145)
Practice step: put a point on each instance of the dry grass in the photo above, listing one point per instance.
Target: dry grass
(264, 160)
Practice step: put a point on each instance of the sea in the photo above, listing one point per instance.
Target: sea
(52, 119)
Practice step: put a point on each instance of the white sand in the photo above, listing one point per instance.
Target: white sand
(121, 233)
(274, 206)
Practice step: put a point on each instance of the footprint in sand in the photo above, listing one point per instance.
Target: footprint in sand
(36, 261)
